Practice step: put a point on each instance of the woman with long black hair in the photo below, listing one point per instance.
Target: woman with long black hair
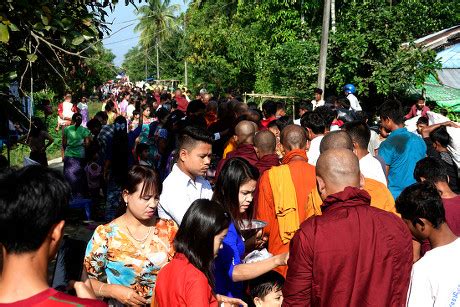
(188, 280)
(234, 190)
(116, 166)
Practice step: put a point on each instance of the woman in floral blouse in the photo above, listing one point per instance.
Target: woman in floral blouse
(124, 256)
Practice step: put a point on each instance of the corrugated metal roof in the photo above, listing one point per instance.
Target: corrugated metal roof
(450, 57)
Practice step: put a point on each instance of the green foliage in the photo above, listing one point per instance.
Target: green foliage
(272, 46)
(57, 38)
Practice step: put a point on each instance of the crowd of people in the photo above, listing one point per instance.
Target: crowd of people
(213, 202)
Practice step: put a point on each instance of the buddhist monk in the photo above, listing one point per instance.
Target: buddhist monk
(283, 192)
(265, 145)
(244, 138)
(353, 254)
(380, 195)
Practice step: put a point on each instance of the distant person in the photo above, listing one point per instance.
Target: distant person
(181, 101)
(353, 254)
(269, 110)
(244, 138)
(37, 141)
(435, 279)
(304, 107)
(33, 202)
(350, 91)
(265, 146)
(318, 101)
(316, 128)
(401, 150)
(369, 165)
(74, 141)
(418, 109)
(186, 182)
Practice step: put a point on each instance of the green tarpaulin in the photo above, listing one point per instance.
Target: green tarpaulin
(444, 96)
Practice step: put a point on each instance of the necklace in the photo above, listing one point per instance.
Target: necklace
(141, 241)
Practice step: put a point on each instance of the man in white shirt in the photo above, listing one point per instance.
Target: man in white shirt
(360, 135)
(435, 279)
(186, 182)
(304, 107)
(350, 91)
(316, 128)
(318, 101)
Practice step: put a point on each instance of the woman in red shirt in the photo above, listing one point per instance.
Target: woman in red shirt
(188, 279)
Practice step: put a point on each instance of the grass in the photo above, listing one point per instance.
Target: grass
(19, 151)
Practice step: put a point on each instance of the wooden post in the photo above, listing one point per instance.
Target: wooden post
(324, 43)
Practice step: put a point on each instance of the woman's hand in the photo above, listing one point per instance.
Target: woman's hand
(229, 301)
(281, 259)
(125, 295)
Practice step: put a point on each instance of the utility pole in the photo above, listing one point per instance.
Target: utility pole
(146, 71)
(324, 43)
(158, 62)
(333, 28)
(185, 58)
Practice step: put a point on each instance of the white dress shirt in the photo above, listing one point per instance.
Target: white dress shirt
(313, 151)
(179, 192)
(317, 103)
(370, 167)
(354, 102)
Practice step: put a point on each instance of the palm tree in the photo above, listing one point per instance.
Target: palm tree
(156, 23)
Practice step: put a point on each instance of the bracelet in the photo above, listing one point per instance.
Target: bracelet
(100, 290)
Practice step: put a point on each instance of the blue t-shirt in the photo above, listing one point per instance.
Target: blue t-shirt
(401, 151)
(230, 255)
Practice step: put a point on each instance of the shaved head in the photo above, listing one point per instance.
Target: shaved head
(245, 131)
(293, 137)
(337, 169)
(265, 142)
(336, 140)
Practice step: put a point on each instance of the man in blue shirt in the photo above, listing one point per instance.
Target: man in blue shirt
(401, 150)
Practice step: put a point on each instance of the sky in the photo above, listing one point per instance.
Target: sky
(123, 37)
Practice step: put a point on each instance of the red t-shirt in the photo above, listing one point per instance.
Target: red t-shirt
(182, 103)
(52, 298)
(452, 208)
(179, 283)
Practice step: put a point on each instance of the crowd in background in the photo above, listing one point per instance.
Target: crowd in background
(214, 201)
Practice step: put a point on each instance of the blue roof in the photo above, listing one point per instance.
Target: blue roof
(450, 57)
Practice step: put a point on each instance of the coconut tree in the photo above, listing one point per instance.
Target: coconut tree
(157, 21)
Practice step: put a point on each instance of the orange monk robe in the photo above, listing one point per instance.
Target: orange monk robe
(229, 146)
(380, 198)
(304, 180)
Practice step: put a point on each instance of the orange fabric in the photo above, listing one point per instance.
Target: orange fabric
(230, 146)
(304, 179)
(285, 201)
(380, 198)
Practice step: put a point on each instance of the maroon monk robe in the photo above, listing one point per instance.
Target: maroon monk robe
(266, 162)
(245, 151)
(352, 255)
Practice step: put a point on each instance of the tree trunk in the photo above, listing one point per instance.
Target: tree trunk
(324, 43)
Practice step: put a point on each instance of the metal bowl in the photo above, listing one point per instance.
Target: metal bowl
(253, 225)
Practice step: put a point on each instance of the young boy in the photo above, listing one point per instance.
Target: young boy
(435, 279)
(33, 201)
(186, 181)
(265, 290)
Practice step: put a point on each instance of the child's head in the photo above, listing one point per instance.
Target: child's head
(142, 151)
(136, 114)
(265, 290)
